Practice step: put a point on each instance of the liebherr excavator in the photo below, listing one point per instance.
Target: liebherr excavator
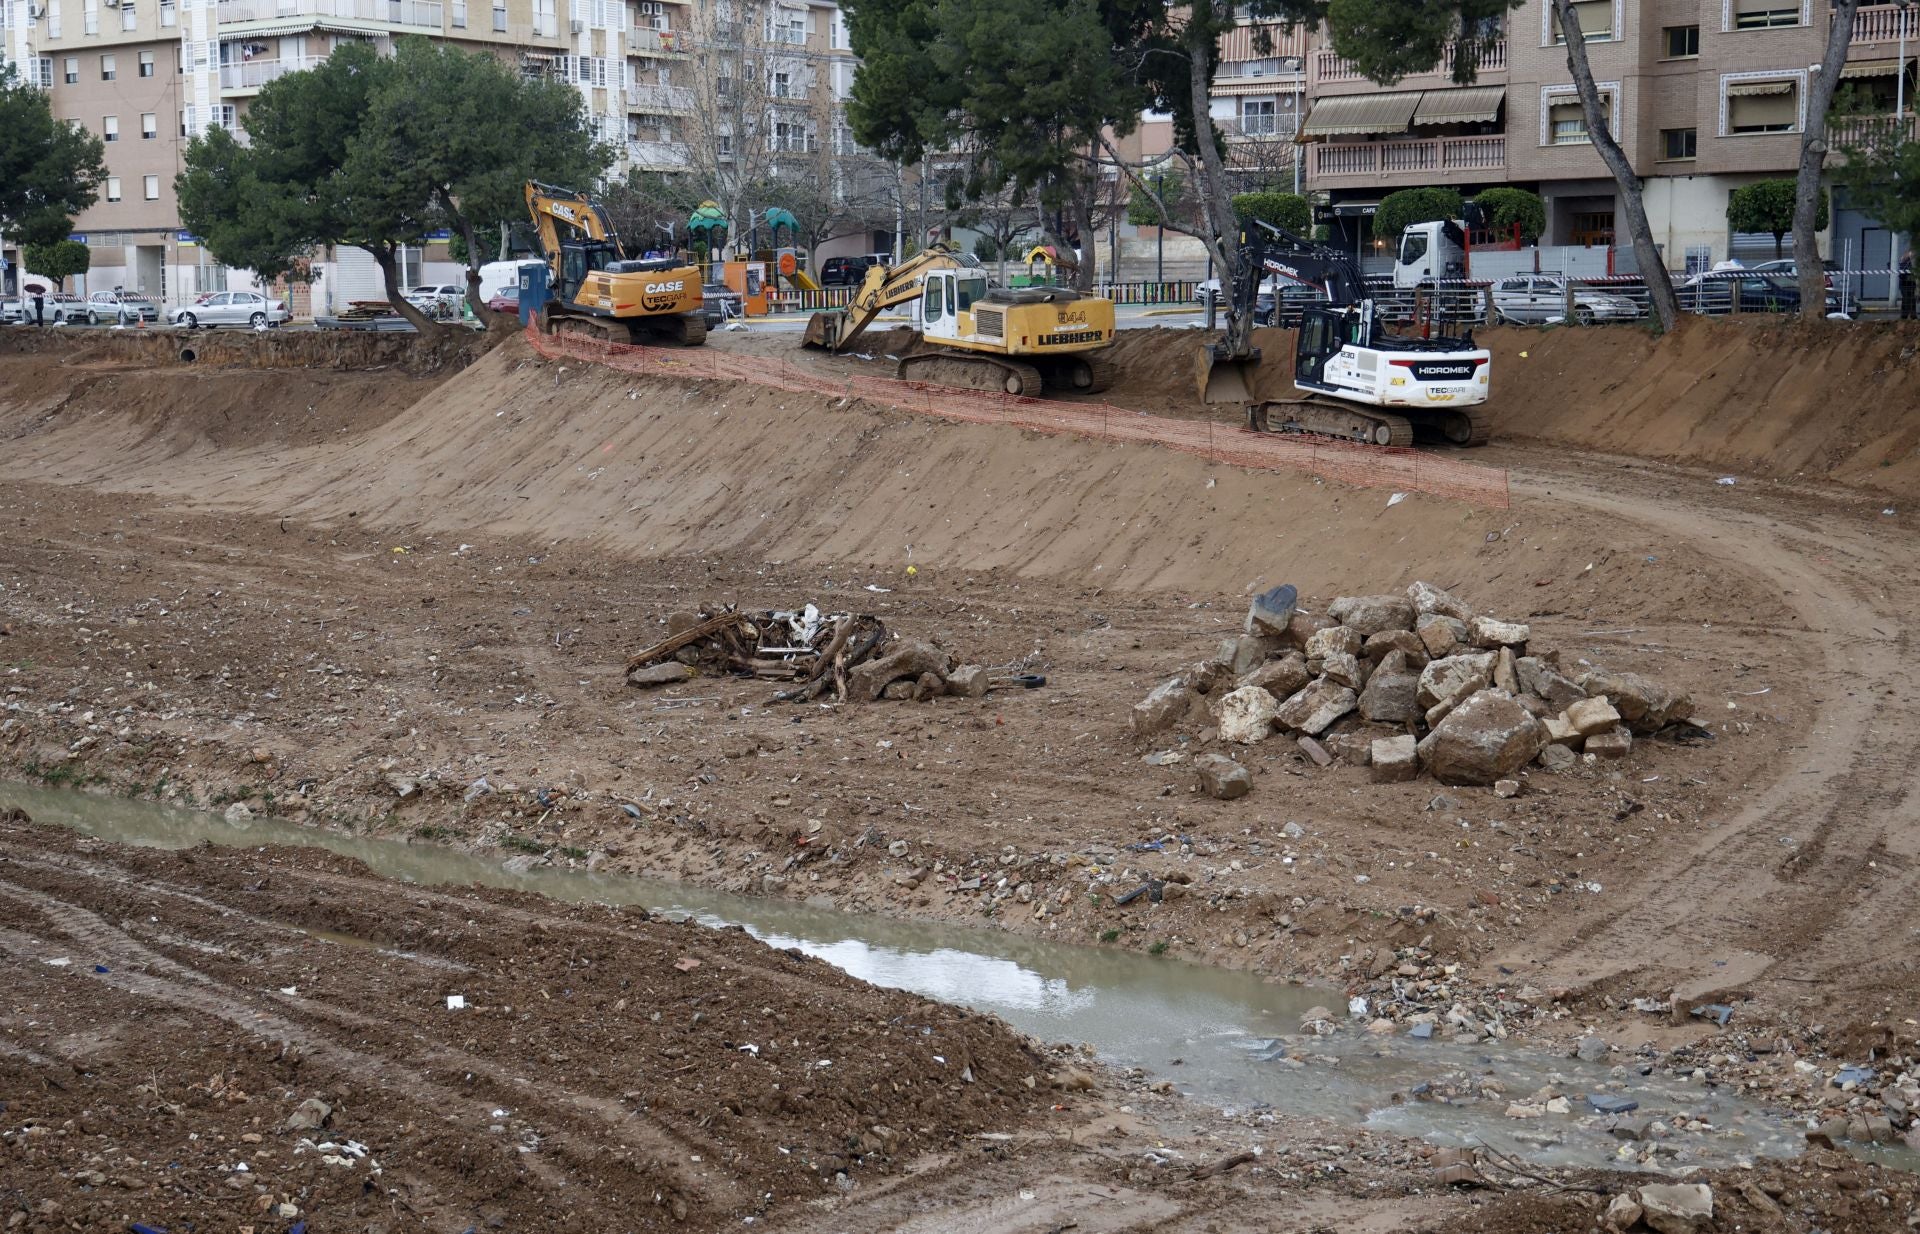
(1017, 341)
(1348, 366)
(596, 290)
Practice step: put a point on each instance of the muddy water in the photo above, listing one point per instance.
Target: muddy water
(1228, 1039)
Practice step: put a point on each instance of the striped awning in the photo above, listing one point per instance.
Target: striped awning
(230, 31)
(1467, 105)
(1748, 89)
(1870, 68)
(1345, 115)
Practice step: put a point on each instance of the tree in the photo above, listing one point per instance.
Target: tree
(1288, 211)
(1398, 211)
(1882, 178)
(1388, 39)
(298, 185)
(50, 170)
(1508, 208)
(1809, 203)
(1769, 205)
(1646, 254)
(59, 261)
(465, 133)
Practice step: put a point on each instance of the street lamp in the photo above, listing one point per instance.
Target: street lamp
(1160, 232)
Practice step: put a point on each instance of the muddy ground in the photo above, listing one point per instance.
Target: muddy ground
(352, 617)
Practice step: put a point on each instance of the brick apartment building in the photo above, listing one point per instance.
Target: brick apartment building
(146, 75)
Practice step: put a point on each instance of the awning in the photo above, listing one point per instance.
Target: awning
(1747, 89)
(1870, 68)
(1361, 113)
(1467, 105)
(233, 32)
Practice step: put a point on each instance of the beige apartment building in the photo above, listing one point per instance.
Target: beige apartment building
(146, 75)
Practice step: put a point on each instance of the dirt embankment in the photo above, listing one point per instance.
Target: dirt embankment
(332, 350)
(1780, 399)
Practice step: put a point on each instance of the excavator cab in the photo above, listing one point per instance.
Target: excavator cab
(1322, 335)
(578, 258)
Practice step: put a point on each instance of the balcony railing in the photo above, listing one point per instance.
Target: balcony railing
(660, 98)
(1440, 154)
(252, 74)
(1329, 65)
(656, 40)
(424, 14)
(657, 153)
(1870, 131)
(1881, 23)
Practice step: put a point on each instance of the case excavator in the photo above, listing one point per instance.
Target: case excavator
(1360, 382)
(597, 290)
(1017, 341)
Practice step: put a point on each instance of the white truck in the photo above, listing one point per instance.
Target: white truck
(1443, 252)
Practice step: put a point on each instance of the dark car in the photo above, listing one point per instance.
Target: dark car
(1714, 291)
(506, 300)
(843, 271)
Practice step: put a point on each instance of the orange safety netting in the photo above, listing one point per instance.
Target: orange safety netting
(1363, 466)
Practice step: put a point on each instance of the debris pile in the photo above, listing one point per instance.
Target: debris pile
(1406, 683)
(851, 654)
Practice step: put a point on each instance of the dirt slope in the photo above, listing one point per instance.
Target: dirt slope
(1778, 399)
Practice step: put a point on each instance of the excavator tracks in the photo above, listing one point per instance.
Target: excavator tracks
(1324, 418)
(971, 372)
(1087, 374)
(1466, 427)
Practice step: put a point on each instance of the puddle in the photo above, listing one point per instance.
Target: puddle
(1234, 1036)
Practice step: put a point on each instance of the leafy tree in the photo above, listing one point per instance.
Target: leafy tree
(1882, 178)
(1389, 39)
(50, 170)
(1288, 211)
(1768, 205)
(1398, 211)
(59, 261)
(465, 133)
(1508, 208)
(1809, 200)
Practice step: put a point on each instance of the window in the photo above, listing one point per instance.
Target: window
(73, 70)
(723, 87)
(129, 19)
(459, 14)
(183, 122)
(110, 128)
(149, 125)
(1596, 19)
(90, 17)
(1763, 107)
(1683, 42)
(40, 72)
(152, 186)
(107, 70)
(499, 20)
(1566, 124)
(1764, 14)
(935, 306)
(113, 188)
(146, 64)
(782, 86)
(169, 16)
(1678, 143)
(1257, 117)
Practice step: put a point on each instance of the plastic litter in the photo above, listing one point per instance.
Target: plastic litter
(1395, 500)
(456, 1002)
(1727, 480)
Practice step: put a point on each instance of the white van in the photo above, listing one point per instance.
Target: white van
(495, 275)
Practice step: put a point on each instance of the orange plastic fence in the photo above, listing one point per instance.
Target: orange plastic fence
(1363, 466)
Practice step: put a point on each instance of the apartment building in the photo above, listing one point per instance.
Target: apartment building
(1703, 95)
(147, 75)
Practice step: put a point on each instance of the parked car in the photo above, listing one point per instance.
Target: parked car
(436, 299)
(1530, 299)
(1713, 292)
(111, 306)
(1209, 290)
(231, 308)
(843, 271)
(57, 307)
(718, 302)
(506, 300)
(1286, 307)
(1786, 268)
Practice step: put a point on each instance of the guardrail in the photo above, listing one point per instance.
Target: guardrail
(1364, 466)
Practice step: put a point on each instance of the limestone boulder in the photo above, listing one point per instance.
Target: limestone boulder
(1426, 598)
(1393, 760)
(1221, 778)
(1162, 709)
(1450, 678)
(1484, 738)
(1314, 708)
(1540, 677)
(1487, 632)
(1392, 695)
(1677, 1208)
(1592, 715)
(1441, 635)
(1243, 653)
(1344, 669)
(1280, 677)
(1372, 615)
(1646, 705)
(1303, 626)
(1344, 640)
(1245, 715)
(1406, 642)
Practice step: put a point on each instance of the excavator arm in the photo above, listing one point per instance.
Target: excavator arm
(1266, 249)
(884, 288)
(561, 214)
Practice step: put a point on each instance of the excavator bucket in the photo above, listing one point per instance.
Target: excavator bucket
(1225, 377)
(824, 329)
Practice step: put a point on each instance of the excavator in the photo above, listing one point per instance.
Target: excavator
(1345, 363)
(596, 289)
(1017, 341)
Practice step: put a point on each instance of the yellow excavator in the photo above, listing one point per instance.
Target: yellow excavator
(1017, 340)
(596, 290)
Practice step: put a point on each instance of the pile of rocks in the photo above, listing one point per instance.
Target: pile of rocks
(1405, 683)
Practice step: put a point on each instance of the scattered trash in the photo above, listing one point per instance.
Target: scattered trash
(1607, 1103)
(1727, 480)
(875, 587)
(1852, 1075)
(456, 1002)
(62, 962)
(631, 810)
(290, 990)
(1719, 1013)
(1395, 500)
(101, 968)
(686, 964)
(1889, 511)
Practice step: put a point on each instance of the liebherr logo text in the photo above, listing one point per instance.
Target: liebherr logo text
(655, 289)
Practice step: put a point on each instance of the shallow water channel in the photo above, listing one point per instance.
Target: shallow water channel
(1228, 1039)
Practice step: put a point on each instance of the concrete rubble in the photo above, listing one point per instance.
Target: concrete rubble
(1410, 683)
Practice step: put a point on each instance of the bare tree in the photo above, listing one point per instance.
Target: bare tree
(1646, 254)
(1003, 217)
(1809, 273)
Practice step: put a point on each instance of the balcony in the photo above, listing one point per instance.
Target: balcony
(252, 74)
(660, 99)
(1881, 23)
(1438, 160)
(1330, 66)
(657, 155)
(655, 42)
(418, 14)
(1844, 131)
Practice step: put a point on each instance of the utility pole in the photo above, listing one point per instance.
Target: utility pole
(1160, 231)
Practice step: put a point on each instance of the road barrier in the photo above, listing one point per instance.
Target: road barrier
(1421, 471)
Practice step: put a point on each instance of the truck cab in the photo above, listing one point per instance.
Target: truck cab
(1430, 253)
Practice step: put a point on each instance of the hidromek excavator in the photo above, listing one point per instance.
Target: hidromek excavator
(596, 290)
(1345, 362)
(1016, 341)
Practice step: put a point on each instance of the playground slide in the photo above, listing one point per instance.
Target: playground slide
(803, 280)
